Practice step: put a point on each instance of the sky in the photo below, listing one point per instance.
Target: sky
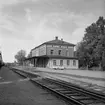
(25, 24)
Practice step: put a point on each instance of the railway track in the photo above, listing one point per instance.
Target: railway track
(73, 94)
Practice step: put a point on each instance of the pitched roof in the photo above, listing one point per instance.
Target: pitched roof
(59, 42)
(56, 42)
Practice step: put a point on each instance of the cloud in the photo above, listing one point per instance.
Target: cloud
(25, 24)
(12, 2)
(42, 32)
(28, 14)
(7, 2)
(48, 6)
(68, 22)
(11, 27)
(11, 47)
(51, 26)
(77, 35)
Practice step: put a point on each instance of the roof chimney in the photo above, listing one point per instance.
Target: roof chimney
(56, 38)
(61, 39)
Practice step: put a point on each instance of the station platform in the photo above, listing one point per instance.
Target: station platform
(85, 76)
(78, 73)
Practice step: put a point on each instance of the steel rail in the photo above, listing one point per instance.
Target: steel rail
(78, 88)
(67, 94)
(70, 100)
(67, 91)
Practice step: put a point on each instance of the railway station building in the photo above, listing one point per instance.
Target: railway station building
(57, 54)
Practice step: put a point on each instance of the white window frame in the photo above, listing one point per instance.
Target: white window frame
(74, 62)
(54, 62)
(68, 62)
(61, 62)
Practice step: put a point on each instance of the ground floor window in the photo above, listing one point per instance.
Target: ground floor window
(54, 62)
(74, 62)
(61, 62)
(68, 62)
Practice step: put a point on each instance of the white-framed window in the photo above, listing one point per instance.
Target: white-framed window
(74, 62)
(61, 62)
(54, 62)
(68, 62)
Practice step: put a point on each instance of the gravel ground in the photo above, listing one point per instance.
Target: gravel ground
(8, 75)
(19, 91)
(82, 73)
(91, 77)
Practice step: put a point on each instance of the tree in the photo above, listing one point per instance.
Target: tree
(91, 49)
(100, 49)
(81, 54)
(85, 50)
(20, 56)
(29, 55)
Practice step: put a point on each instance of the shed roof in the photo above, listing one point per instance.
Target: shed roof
(52, 56)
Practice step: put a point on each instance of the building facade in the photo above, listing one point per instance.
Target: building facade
(54, 54)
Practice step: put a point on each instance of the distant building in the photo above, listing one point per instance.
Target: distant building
(0, 56)
(1, 60)
(54, 54)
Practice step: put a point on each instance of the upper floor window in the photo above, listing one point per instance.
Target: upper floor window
(68, 62)
(67, 53)
(54, 62)
(74, 62)
(61, 62)
(51, 52)
(59, 52)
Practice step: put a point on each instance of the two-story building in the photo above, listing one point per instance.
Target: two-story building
(54, 54)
